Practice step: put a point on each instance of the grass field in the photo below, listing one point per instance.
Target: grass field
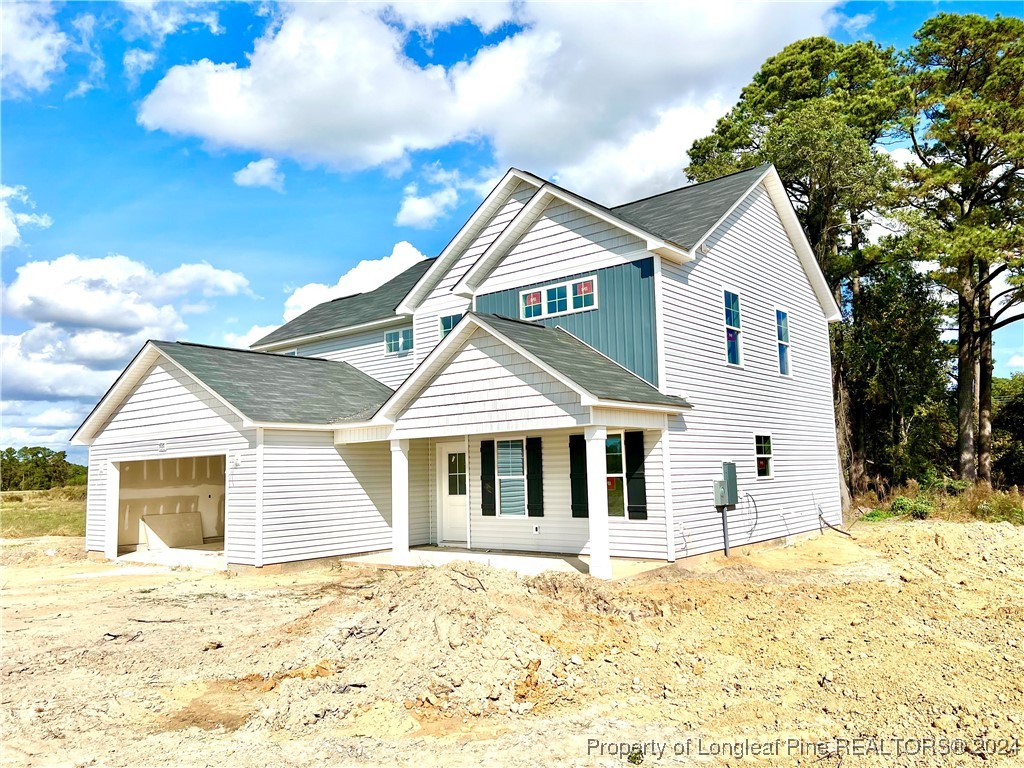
(57, 512)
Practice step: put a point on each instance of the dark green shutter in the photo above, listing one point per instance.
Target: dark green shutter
(487, 503)
(578, 476)
(636, 483)
(534, 477)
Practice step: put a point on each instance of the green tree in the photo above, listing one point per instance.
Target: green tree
(1008, 430)
(965, 122)
(816, 110)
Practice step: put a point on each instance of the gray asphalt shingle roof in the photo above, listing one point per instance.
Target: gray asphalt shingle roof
(579, 362)
(281, 388)
(683, 216)
(349, 311)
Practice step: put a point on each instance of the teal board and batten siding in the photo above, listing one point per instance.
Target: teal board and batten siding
(752, 255)
(622, 327)
(167, 415)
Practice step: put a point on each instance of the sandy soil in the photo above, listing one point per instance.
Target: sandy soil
(903, 647)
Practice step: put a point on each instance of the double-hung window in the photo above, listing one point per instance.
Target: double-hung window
(448, 322)
(577, 295)
(398, 341)
(615, 466)
(511, 466)
(782, 334)
(763, 454)
(733, 349)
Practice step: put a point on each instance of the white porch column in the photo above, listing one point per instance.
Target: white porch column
(400, 502)
(113, 500)
(597, 498)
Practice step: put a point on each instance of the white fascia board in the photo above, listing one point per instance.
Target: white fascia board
(144, 360)
(630, 406)
(446, 347)
(732, 208)
(346, 331)
(798, 237)
(288, 425)
(476, 274)
(442, 264)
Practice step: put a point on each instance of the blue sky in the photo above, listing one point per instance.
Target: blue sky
(205, 171)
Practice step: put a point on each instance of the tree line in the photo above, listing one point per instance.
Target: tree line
(907, 171)
(37, 469)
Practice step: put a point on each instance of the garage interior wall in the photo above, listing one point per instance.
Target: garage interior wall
(185, 487)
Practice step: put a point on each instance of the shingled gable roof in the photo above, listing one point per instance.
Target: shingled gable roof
(261, 387)
(348, 311)
(594, 376)
(687, 214)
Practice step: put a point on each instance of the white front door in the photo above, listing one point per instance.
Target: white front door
(453, 482)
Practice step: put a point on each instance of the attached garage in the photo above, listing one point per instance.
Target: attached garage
(179, 448)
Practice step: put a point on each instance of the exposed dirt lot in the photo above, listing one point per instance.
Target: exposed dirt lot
(911, 632)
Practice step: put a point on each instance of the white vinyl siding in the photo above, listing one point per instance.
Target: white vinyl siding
(558, 530)
(364, 351)
(563, 241)
(322, 500)
(751, 253)
(487, 386)
(168, 407)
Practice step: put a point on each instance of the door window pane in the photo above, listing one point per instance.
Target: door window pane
(456, 474)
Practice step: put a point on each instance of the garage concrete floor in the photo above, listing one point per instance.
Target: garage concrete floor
(204, 556)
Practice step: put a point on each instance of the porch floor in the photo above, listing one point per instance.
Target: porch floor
(202, 556)
(523, 563)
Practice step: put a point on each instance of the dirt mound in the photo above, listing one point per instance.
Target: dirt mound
(43, 550)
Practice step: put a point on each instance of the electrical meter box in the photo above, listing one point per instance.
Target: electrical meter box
(726, 493)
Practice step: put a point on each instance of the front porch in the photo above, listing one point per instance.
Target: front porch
(522, 563)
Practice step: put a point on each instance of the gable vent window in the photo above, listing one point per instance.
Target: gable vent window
(733, 350)
(564, 298)
(449, 322)
(782, 332)
(763, 451)
(396, 342)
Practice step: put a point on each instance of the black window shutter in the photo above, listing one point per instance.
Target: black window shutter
(578, 476)
(534, 477)
(487, 502)
(636, 483)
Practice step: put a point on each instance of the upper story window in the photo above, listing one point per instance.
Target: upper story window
(571, 296)
(398, 341)
(782, 333)
(290, 353)
(733, 348)
(448, 322)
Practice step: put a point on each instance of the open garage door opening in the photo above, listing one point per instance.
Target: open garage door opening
(171, 510)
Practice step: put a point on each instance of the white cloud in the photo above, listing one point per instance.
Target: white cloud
(113, 293)
(156, 21)
(88, 317)
(260, 173)
(33, 48)
(423, 211)
(137, 62)
(1016, 362)
(250, 337)
(41, 423)
(331, 84)
(85, 45)
(11, 221)
(364, 276)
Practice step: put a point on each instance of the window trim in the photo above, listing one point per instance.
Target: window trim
(779, 343)
(769, 456)
(401, 336)
(738, 328)
(567, 284)
(622, 475)
(498, 477)
(440, 322)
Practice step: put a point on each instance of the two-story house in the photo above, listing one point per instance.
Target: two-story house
(563, 377)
